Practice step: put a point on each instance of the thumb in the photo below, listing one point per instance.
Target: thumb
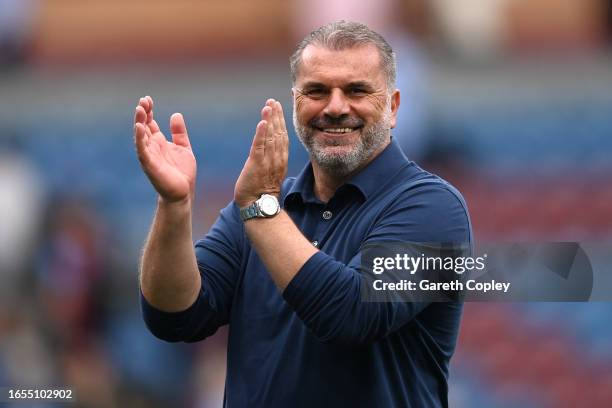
(179, 130)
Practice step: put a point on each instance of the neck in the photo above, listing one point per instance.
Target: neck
(326, 182)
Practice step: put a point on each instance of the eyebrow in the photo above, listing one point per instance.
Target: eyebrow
(313, 84)
(355, 84)
(359, 84)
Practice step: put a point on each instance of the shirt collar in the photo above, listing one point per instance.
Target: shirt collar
(302, 187)
(367, 181)
(380, 170)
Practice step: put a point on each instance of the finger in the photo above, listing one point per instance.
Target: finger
(271, 119)
(149, 108)
(266, 114)
(278, 131)
(153, 126)
(285, 135)
(270, 103)
(179, 130)
(259, 141)
(148, 105)
(144, 102)
(140, 140)
(275, 114)
(140, 115)
(150, 100)
(282, 117)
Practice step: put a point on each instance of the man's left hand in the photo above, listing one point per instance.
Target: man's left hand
(266, 167)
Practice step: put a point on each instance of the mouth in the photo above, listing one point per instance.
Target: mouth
(338, 131)
(338, 137)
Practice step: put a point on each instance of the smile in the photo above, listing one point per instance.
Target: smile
(340, 131)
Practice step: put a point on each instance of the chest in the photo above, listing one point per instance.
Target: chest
(338, 230)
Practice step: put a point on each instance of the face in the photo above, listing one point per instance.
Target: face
(342, 108)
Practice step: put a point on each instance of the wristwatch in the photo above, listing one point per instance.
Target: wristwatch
(265, 207)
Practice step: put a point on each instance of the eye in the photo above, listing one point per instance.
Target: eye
(315, 93)
(357, 91)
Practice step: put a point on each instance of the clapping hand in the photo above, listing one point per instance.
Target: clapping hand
(169, 165)
(266, 166)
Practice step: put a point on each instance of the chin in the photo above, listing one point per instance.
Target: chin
(341, 160)
(338, 151)
(338, 154)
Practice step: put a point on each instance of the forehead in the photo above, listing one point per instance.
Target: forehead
(335, 67)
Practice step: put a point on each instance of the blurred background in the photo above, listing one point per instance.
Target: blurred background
(510, 100)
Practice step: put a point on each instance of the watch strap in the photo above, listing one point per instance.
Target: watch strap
(251, 211)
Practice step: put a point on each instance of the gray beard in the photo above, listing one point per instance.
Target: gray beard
(372, 138)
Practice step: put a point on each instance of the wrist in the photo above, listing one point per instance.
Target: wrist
(182, 204)
(265, 206)
(246, 201)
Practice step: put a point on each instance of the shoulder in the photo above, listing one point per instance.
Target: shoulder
(429, 207)
(416, 182)
(432, 192)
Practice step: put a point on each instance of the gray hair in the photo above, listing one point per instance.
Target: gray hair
(341, 35)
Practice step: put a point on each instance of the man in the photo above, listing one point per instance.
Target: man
(281, 265)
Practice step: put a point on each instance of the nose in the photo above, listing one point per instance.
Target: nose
(337, 104)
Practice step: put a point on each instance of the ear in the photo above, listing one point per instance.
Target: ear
(395, 103)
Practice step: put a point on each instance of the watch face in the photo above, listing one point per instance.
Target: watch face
(268, 205)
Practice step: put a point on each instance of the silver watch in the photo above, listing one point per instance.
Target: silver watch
(265, 207)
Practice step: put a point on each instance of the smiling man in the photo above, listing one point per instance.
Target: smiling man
(346, 103)
(281, 265)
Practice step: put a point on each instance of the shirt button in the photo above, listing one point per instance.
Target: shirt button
(327, 215)
(315, 244)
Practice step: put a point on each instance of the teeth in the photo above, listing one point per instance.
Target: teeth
(340, 130)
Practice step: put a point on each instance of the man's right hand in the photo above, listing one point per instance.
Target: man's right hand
(169, 278)
(170, 166)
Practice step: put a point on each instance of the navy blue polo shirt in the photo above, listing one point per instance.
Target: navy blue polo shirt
(317, 344)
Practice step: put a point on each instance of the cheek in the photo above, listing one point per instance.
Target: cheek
(379, 103)
(305, 109)
(299, 104)
(373, 108)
